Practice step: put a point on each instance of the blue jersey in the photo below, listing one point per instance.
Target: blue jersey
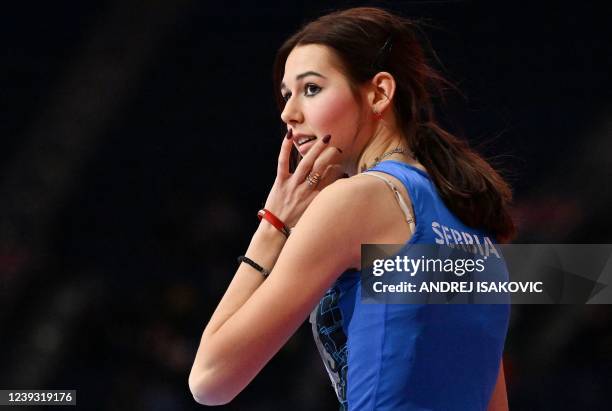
(413, 357)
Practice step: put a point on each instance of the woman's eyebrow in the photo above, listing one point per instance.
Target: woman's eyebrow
(304, 74)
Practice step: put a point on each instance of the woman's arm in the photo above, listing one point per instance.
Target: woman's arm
(257, 317)
(265, 247)
(499, 399)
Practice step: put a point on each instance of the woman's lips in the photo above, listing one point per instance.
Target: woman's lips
(303, 149)
(304, 139)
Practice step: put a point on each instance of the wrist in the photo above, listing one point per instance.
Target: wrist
(270, 217)
(266, 245)
(269, 233)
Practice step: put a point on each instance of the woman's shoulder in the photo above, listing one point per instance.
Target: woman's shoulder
(357, 192)
(372, 207)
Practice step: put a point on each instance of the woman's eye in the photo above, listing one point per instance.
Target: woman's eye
(286, 96)
(311, 89)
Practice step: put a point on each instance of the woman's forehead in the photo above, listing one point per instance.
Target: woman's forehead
(310, 57)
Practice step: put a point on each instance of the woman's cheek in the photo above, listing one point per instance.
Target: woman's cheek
(335, 114)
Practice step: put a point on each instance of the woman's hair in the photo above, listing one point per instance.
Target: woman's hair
(369, 40)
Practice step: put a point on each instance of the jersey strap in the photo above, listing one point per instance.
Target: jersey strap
(398, 195)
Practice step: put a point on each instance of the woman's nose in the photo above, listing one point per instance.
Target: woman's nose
(291, 113)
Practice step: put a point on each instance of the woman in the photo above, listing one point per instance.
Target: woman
(356, 94)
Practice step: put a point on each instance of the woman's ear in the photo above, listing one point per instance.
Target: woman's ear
(381, 91)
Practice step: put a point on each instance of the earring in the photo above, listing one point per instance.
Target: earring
(377, 115)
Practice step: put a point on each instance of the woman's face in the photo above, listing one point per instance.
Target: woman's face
(319, 100)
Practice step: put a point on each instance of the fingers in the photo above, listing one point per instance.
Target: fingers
(284, 155)
(307, 163)
(332, 173)
(327, 167)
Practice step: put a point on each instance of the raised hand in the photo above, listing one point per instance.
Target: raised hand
(293, 192)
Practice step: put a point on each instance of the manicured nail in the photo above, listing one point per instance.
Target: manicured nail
(326, 139)
(289, 134)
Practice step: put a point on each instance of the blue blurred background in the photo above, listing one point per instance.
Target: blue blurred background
(139, 139)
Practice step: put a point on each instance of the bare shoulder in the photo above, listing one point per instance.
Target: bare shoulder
(361, 187)
(338, 207)
(351, 198)
(384, 207)
(354, 211)
(367, 200)
(348, 190)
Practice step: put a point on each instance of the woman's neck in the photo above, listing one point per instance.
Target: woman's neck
(382, 144)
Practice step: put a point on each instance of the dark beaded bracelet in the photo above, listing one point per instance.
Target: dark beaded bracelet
(253, 264)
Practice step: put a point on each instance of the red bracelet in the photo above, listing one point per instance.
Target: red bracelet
(274, 220)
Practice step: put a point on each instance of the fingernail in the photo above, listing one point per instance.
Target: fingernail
(326, 139)
(289, 134)
(338, 148)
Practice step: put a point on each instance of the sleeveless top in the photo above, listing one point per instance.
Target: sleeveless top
(409, 357)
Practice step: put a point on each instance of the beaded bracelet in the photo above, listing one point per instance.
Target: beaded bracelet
(253, 264)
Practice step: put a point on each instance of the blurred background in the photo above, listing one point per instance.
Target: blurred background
(139, 139)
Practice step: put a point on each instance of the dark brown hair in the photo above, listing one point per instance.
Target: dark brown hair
(369, 40)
